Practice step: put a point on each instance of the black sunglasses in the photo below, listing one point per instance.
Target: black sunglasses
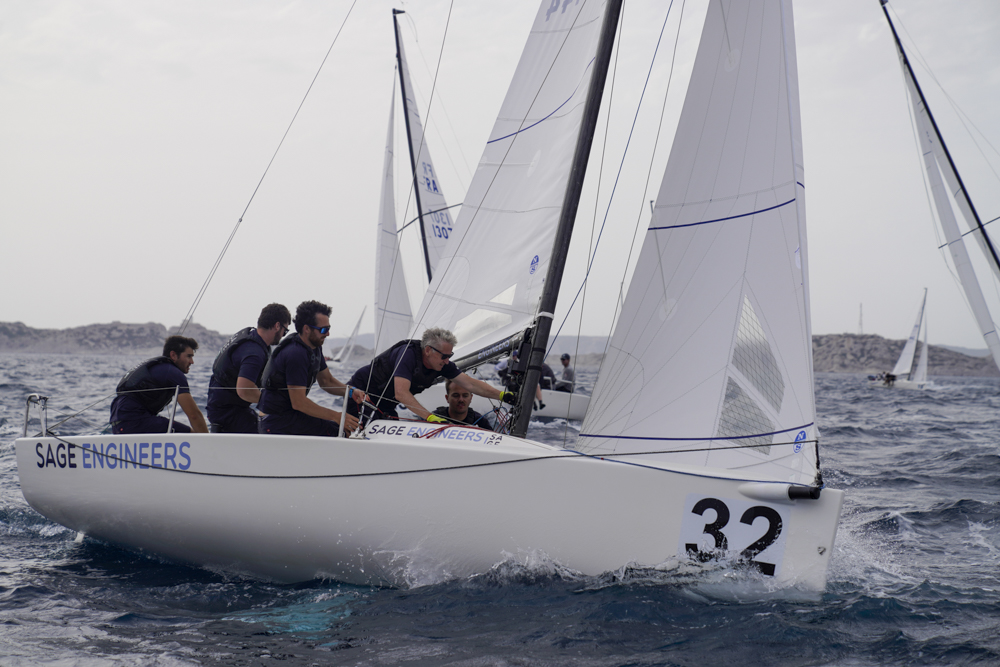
(322, 330)
(443, 355)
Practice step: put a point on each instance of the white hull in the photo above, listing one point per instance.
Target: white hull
(558, 405)
(398, 510)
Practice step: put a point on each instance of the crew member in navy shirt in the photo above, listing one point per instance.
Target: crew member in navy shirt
(409, 367)
(150, 386)
(237, 371)
(458, 411)
(294, 366)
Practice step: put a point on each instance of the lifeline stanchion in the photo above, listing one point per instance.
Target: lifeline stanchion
(173, 410)
(343, 413)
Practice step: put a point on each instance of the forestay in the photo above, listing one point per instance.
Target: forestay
(393, 318)
(905, 362)
(488, 287)
(711, 355)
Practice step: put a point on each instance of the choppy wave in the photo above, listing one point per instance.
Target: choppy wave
(912, 581)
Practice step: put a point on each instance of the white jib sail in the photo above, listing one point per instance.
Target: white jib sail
(712, 354)
(921, 374)
(437, 222)
(393, 318)
(905, 361)
(935, 162)
(489, 287)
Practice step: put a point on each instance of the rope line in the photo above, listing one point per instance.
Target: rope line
(567, 454)
(218, 261)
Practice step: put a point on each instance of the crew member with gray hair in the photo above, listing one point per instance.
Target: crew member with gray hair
(409, 367)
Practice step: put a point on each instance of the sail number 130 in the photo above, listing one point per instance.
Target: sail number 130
(751, 533)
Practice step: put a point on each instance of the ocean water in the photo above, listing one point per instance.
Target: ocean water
(914, 580)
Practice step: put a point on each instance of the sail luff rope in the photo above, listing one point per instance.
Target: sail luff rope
(204, 288)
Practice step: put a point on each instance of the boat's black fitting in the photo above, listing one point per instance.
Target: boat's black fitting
(804, 492)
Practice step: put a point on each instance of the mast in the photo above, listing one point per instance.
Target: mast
(409, 141)
(944, 146)
(564, 231)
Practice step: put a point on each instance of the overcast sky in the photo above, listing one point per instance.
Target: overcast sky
(134, 133)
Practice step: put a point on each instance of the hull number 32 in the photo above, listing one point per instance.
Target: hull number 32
(749, 533)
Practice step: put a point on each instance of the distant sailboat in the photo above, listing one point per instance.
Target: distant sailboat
(938, 163)
(348, 348)
(901, 377)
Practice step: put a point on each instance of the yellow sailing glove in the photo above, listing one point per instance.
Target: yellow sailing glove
(508, 397)
(436, 419)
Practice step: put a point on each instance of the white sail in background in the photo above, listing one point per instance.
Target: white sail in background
(936, 164)
(393, 318)
(348, 348)
(489, 287)
(436, 218)
(905, 361)
(712, 353)
(921, 373)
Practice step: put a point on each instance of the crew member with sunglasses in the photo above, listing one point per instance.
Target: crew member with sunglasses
(294, 366)
(409, 367)
(237, 372)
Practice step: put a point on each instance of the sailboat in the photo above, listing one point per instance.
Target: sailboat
(942, 178)
(345, 352)
(393, 318)
(701, 444)
(902, 375)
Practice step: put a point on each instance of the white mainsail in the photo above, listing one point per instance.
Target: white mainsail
(489, 285)
(905, 362)
(936, 164)
(712, 353)
(393, 318)
(435, 218)
(921, 374)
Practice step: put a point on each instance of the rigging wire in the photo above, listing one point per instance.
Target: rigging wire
(211, 274)
(621, 164)
(962, 116)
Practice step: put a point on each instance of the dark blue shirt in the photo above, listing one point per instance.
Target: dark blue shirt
(125, 407)
(294, 361)
(407, 363)
(249, 358)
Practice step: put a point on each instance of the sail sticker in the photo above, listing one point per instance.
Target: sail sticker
(753, 357)
(555, 6)
(534, 265)
(749, 533)
(798, 441)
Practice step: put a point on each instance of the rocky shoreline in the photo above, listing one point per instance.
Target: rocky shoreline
(832, 353)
